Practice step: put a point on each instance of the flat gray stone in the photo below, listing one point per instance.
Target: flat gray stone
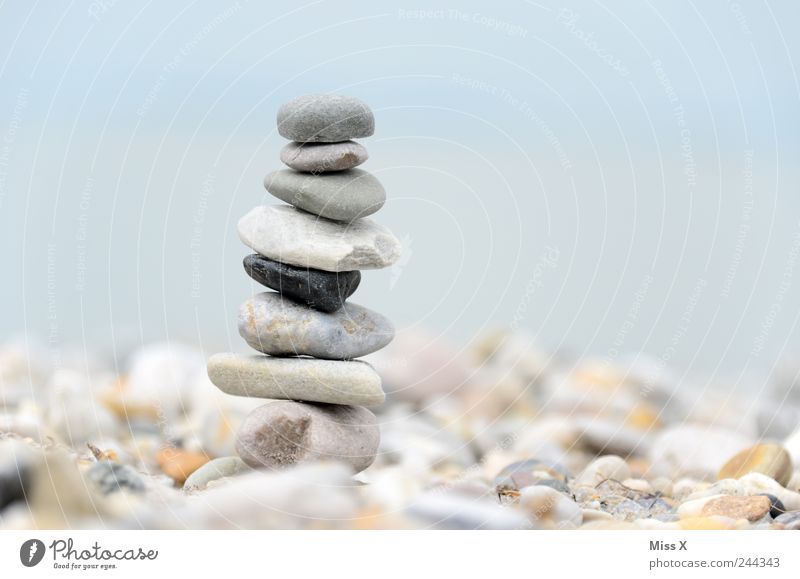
(288, 235)
(323, 157)
(342, 196)
(214, 470)
(325, 118)
(330, 381)
(285, 433)
(278, 326)
(790, 521)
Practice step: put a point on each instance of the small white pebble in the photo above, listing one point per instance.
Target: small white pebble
(637, 484)
(609, 467)
(549, 509)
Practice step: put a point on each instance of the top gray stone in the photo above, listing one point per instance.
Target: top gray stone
(325, 118)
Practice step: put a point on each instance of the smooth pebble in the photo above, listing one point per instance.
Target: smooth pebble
(283, 433)
(789, 521)
(456, 511)
(550, 509)
(288, 235)
(751, 508)
(768, 459)
(354, 383)
(602, 469)
(323, 157)
(322, 290)
(216, 469)
(694, 450)
(518, 475)
(325, 118)
(342, 196)
(274, 325)
(111, 477)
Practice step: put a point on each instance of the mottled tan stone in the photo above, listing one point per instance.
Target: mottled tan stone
(750, 508)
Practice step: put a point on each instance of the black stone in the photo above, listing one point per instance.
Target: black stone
(12, 486)
(325, 291)
(15, 478)
(776, 508)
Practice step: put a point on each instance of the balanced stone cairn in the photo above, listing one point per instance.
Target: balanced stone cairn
(310, 253)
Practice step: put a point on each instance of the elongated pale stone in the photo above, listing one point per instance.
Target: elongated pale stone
(214, 470)
(343, 196)
(288, 235)
(278, 326)
(330, 381)
(284, 433)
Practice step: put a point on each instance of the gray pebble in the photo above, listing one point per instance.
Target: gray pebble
(288, 235)
(277, 326)
(525, 473)
(790, 521)
(456, 511)
(330, 381)
(111, 477)
(284, 433)
(342, 196)
(323, 157)
(325, 118)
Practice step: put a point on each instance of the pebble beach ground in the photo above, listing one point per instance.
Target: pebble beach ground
(498, 435)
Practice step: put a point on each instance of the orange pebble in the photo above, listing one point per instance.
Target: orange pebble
(178, 464)
(705, 524)
(643, 418)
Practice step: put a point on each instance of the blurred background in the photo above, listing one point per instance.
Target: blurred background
(608, 177)
(597, 306)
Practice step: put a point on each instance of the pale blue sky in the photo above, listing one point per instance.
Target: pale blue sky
(133, 135)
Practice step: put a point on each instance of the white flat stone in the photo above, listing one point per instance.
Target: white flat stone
(285, 234)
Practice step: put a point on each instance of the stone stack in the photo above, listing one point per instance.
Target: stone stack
(310, 252)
